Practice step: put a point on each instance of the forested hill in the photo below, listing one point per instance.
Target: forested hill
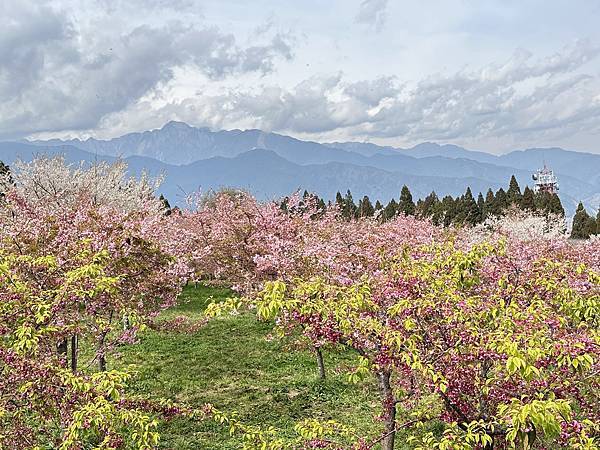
(271, 165)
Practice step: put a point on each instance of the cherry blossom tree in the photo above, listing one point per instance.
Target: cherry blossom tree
(493, 331)
(54, 209)
(42, 404)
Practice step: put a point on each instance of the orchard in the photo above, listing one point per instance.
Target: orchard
(478, 337)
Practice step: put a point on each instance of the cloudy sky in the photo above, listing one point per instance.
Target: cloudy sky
(489, 75)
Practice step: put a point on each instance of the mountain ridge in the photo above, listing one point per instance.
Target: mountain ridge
(179, 144)
(248, 170)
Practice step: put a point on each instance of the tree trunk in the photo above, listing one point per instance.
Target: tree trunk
(320, 363)
(74, 344)
(389, 411)
(126, 323)
(100, 352)
(61, 349)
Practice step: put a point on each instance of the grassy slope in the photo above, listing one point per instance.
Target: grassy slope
(230, 364)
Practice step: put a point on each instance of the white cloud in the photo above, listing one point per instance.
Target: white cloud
(469, 105)
(68, 67)
(55, 74)
(372, 13)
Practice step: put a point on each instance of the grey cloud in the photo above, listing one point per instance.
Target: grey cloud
(372, 92)
(24, 42)
(372, 13)
(115, 6)
(262, 58)
(54, 75)
(477, 104)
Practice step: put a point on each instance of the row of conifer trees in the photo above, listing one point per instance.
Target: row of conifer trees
(449, 210)
(464, 209)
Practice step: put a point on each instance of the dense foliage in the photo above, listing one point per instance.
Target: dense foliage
(492, 330)
(81, 252)
(462, 210)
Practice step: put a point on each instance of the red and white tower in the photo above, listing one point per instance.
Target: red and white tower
(545, 180)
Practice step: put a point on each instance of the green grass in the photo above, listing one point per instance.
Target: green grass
(231, 365)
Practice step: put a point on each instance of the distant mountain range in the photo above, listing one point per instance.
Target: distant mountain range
(272, 165)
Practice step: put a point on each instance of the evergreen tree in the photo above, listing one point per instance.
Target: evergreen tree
(322, 206)
(513, 195)
(542, 201)
(4, 170)
(349, 208)
(425, 208)
(166, 205)
(582, 223)
(449, 209)
(488, 209)
(500, 202)
(598, 221)
(406, 204)
(390, 210)
(528, 200)
(339, 201)
(467, 210)
(438, 212)
(419, 207)
(365, 208)
(378, 205)
(555, 206)
(481, 207)
(284, 204)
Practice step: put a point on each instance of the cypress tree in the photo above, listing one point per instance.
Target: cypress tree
(481, 207)
(4, 170)
(365, 208)
(406, 204)
(322, 205)
(581, 223)
(598, 221)
(438, 212)
(349, 208)
(541, 201)
(419, 206)
(166, 205)
(425, 208)
(528, 201)
(513, 195)
(590, 227)
(488, 209)
(284, 204)
(468, 210)
(378, 205)
(555, 206)
(449, 208)
(500, 202)
(390, 210)
(339, 201)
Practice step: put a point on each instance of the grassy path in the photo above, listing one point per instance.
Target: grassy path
(229, 363)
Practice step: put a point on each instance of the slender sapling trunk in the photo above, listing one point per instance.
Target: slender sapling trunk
(389, 410)
(74, 345)
(61, 349)
(320, 362)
